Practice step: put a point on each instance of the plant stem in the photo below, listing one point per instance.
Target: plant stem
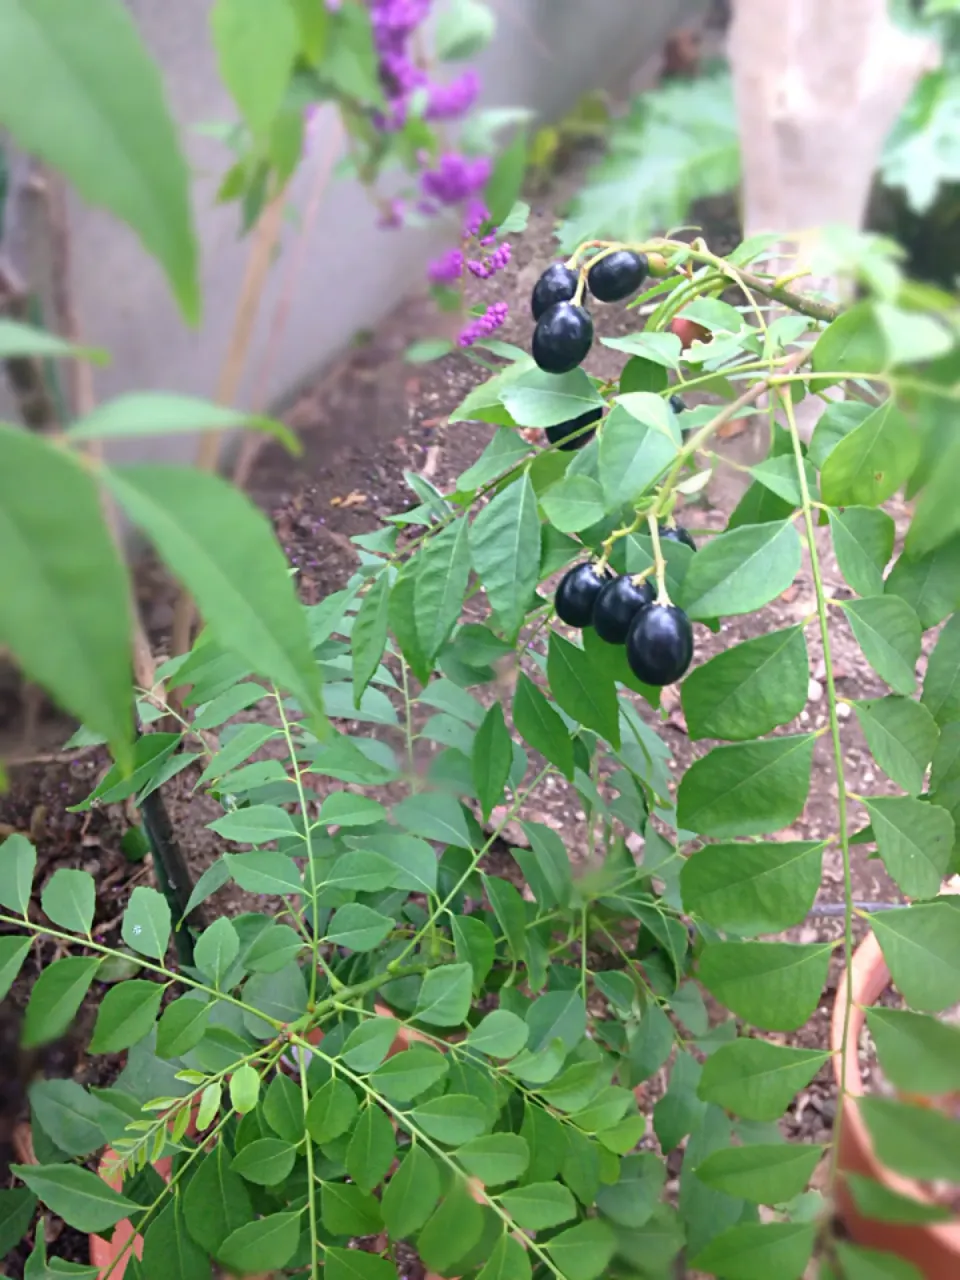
(659, 564)
(843, 826)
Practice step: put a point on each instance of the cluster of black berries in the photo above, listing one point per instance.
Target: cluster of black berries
(658, 638)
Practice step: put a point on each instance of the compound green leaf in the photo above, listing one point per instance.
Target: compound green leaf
(941, 685)
(921, 945)
(541, 726)
(863, 542)
(741, 570)
(453, 1119)
(216, 1202)
(762, 1173)
(748, 690)
(774, 985)
(125, 1015)
(915, 841)
(79, 1197)
(918, 1053)
(538, 399)
(505, 547)
(265, 1244)
(265, 1161)
(501, 1034)
(902, 736)
(331, 1111)
(756, 1079)
(56, 996)
(757, 1251)
(181, 1027)
(408, 1074)
(752, 888)
(225, 553)
(64, 594)
(358, 927)
(575, 502)
(747, 788)
(445, 996)
(919, 1142)
(216, 949)
(497, 1158)
(453, 1229)
(111, 134)
(583, 689)
(870, 464)
(889, 633)
(929, 584)
(583, 1252)
(539, 1205)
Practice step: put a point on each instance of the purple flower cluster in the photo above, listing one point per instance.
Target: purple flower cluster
(483, 326)
(394, 24)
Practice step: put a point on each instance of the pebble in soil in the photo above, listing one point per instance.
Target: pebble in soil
(560, 433)
(617, 605)
(562, 338)
(617, 275)
(660, 644)
(557, 284)
(577, 594)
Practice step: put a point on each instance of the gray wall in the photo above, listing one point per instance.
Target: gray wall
(546, 53)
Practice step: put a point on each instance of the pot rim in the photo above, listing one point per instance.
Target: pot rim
(869, 978)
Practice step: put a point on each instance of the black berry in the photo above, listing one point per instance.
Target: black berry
(559, 434)
(562, 338)
(617, 275)
(617, 605)
(577, 593)
(678, 534)
(557, 284)
(676, 404)
(660, 644)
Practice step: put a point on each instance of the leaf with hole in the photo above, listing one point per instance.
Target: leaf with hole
(749, 689)
(748, 788)
(742, 570)
(753, 887)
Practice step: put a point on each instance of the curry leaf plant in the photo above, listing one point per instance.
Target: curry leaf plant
(414, 1042)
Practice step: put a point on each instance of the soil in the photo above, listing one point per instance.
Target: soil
(363, 424)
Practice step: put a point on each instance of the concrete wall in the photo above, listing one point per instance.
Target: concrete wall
(546, 53)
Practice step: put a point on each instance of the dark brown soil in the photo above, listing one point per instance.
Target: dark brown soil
(365, 422)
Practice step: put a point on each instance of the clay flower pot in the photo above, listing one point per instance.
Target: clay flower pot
(933, 1247)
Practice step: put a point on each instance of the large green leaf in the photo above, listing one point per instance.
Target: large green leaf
(224, 551)
(902, 735)
(541, 726)
(748, 788)
(633, 453)
(540, 1205)
(870, 464)
(441, 584)
(125, 1015)
(369, 635)
(756, 1079)
(921, 945)
(749, 689)
(752, 888)
(741, 570)
(496, 1158)
(169, 1249)
(538, 399)
(764, 1173)
(915, 841)
(64, 597)
(851, 344)
(18, 339)
(582, 688)
(372, 1147)
(919, 1142)
(257, 42)
(162, 413)
(492, 759)
(863, 542)
(16, 1214)
(79, 90)
(68, 1115)
(889, 633)
(918, 1053)
(216, 1201)
(583, 1252)
(872, 1264)
(505, 547)
(411, 1194)
(79, 1197)
(575, 502)
(265, 1244)
(941, 684)
(930, 584)
(508, 1261)
(445, 996)
(146, 923)
(68, 898)
(453, 1229)
(759, 1251)
(774, 985)
(56, 997)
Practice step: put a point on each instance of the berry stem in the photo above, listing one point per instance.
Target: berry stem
(659, 564)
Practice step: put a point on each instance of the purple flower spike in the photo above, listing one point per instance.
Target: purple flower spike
(483, 326)
(451, 101)
(448, 269)
(456, 178)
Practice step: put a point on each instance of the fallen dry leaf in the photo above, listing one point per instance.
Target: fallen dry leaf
(353, 499)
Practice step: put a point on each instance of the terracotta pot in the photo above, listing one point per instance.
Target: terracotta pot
(935, 1247)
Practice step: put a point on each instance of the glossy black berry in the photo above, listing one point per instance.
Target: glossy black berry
(678, 534)
(660, 644)
(617, 605)
(557, 284)
(562, 338)
(559, 434)
(577, 594)
(617, 275)
(676, 404)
